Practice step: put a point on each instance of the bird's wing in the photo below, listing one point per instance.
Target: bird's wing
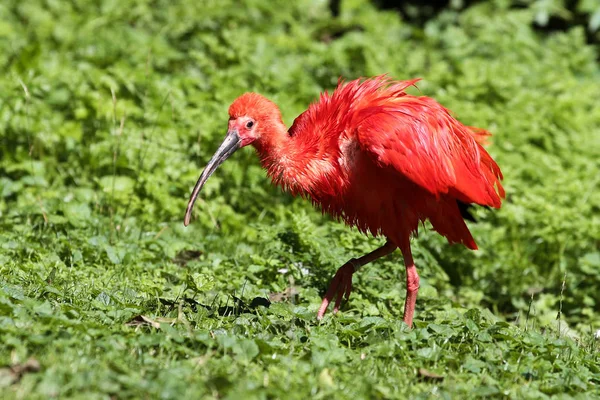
(421, 140)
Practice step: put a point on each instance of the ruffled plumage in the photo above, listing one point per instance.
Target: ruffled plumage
(381, 160)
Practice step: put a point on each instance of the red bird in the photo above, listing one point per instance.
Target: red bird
(375, 157)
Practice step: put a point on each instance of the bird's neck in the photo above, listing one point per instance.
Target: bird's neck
(272, 147)
(282, 157)
(273, 140)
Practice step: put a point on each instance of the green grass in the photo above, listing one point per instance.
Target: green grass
(107, 115)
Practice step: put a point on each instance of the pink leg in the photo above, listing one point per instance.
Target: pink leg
(412, 285)
(341, 284)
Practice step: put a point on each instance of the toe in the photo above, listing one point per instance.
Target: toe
(348, 289)
(338, 299)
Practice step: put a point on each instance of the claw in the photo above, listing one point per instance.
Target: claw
(340, 287)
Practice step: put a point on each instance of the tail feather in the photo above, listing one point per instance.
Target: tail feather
(491, 169)
(448, 221)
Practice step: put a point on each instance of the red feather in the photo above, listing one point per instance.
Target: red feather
(383, 160)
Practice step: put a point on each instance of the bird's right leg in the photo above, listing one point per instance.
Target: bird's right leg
(341, 284)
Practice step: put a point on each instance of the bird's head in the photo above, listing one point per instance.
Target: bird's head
(252, 119)
(253, 116)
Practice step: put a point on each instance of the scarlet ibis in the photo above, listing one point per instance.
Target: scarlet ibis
(375, 157)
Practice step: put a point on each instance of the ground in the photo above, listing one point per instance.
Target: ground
(108, 114)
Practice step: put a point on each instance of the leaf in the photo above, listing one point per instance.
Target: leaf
(246, 349)
(121, 186)
(103, 298)
(590, 263)
(113, 254)
(427, 353)
(325, 378)
(594, 23)
(442, 330)
(542, 17)
(77, 213)
(471, 326)
(473, 365)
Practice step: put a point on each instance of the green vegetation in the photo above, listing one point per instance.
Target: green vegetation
(107, 114)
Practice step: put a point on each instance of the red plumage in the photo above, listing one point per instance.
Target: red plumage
(379, 159)
(383, 161)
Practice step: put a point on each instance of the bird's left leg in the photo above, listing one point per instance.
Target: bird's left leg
(341, 283)
(412, 285)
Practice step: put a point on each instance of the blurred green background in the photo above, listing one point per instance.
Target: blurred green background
(108, 112)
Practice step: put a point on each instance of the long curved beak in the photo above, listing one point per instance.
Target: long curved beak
(231, 143)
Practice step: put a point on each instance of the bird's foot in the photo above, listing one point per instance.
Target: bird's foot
(340, 286)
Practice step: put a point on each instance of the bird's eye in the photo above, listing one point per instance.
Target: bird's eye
(249, 124)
